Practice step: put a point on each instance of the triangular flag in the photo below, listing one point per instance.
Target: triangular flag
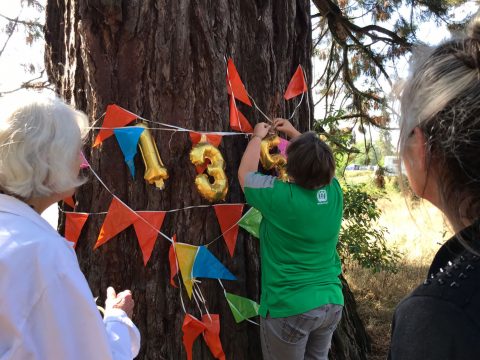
(234, 81)
(251, 222)
(228, 217)
(297, 84)
(238, 121)
(118, 218)
(146, 234)
(128, 140)
(84, 163)
(242, 308)
(212, 335)
(115, 117)
(282, 147)
(213, 139)
(207, 266)
(191, 328)
(186, 256)
(172, 259)
(74, 225)
(69, 201)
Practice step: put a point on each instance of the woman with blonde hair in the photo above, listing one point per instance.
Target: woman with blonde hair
(47, 310)
(440, 147)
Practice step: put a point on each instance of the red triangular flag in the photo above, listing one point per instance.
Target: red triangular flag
(69, 201)
(147, 235)
(212, 335)
(115, 117)
(213, 139)
(234, 81)
(238, 121)
(118, 218)
(74, 225)
(228, 216)
(297, 84)
(191, 328)
(172, 259)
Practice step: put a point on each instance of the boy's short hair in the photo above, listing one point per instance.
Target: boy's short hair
(310, 161)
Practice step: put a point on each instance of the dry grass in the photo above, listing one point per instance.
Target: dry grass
(417, 234)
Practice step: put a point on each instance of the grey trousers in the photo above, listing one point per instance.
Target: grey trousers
(305, 336)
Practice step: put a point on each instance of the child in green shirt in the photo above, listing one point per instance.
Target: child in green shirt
(302, 301)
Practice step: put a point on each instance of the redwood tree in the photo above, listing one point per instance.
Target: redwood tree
(165, 60)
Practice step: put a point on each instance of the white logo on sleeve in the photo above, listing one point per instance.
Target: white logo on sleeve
(322, 197)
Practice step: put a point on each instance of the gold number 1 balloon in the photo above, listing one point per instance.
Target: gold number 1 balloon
(155, 171)
(270, 161)
(217, 190)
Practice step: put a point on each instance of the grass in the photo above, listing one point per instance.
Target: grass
(416, 231)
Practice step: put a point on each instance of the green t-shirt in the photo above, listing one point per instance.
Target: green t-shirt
(298, 240)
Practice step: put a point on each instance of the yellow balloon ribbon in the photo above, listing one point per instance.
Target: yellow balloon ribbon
(155, 171)
(271, 161)
(217, 190)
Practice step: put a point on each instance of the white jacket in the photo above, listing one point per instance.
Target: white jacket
(47, 310)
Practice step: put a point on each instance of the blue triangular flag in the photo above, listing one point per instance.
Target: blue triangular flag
(128, 140)
(206, 265)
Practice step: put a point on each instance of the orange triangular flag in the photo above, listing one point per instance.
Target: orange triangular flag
(74, 225)
(228, 216)
(238, 121)
(115, 117)
(297, 84)
(146, 233)
(234, 81)
(118, 218)
(69, 201)
(212, 335)
(172, 259)
(191, 328)
(213, 139)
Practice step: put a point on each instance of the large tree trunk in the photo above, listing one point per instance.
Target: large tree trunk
(165, 60)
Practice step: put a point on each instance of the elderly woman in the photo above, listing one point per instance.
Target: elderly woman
(47, 310)
(440, 146)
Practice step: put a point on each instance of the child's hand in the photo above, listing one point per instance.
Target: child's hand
(286, 127)
(261, 130)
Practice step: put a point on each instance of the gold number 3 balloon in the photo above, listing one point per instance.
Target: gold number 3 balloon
(269, 160)
(155, 171)
(217, 190)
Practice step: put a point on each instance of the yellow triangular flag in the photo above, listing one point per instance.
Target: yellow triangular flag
(186, 256)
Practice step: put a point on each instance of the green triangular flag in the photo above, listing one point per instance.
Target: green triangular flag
(242, 308)
(251, 222)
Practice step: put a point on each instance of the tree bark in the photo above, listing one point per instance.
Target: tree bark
(165, 61)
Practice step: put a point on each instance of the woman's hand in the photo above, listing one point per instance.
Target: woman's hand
(286, 127)
(123, 301)
(261, 130)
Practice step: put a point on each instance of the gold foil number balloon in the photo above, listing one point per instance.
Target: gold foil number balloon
(155, 171)
(198, 156)
(270, 161)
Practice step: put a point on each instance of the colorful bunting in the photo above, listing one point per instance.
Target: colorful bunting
(186, 256)
(172, 259)
(128, 140)
(234, 82)
(146, 235)
(118, 218)
(242, 308)
(213, 139)
(74, 225)
(115, 117)
(228, 216)
(69, 201)
(191, 328)
(212, 335)
(251, 222)
(238, 121)
(297, 84)
(208, 266)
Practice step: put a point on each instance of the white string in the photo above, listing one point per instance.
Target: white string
(294, 110)
(308, 102)
(259, 110)
(223, 133)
